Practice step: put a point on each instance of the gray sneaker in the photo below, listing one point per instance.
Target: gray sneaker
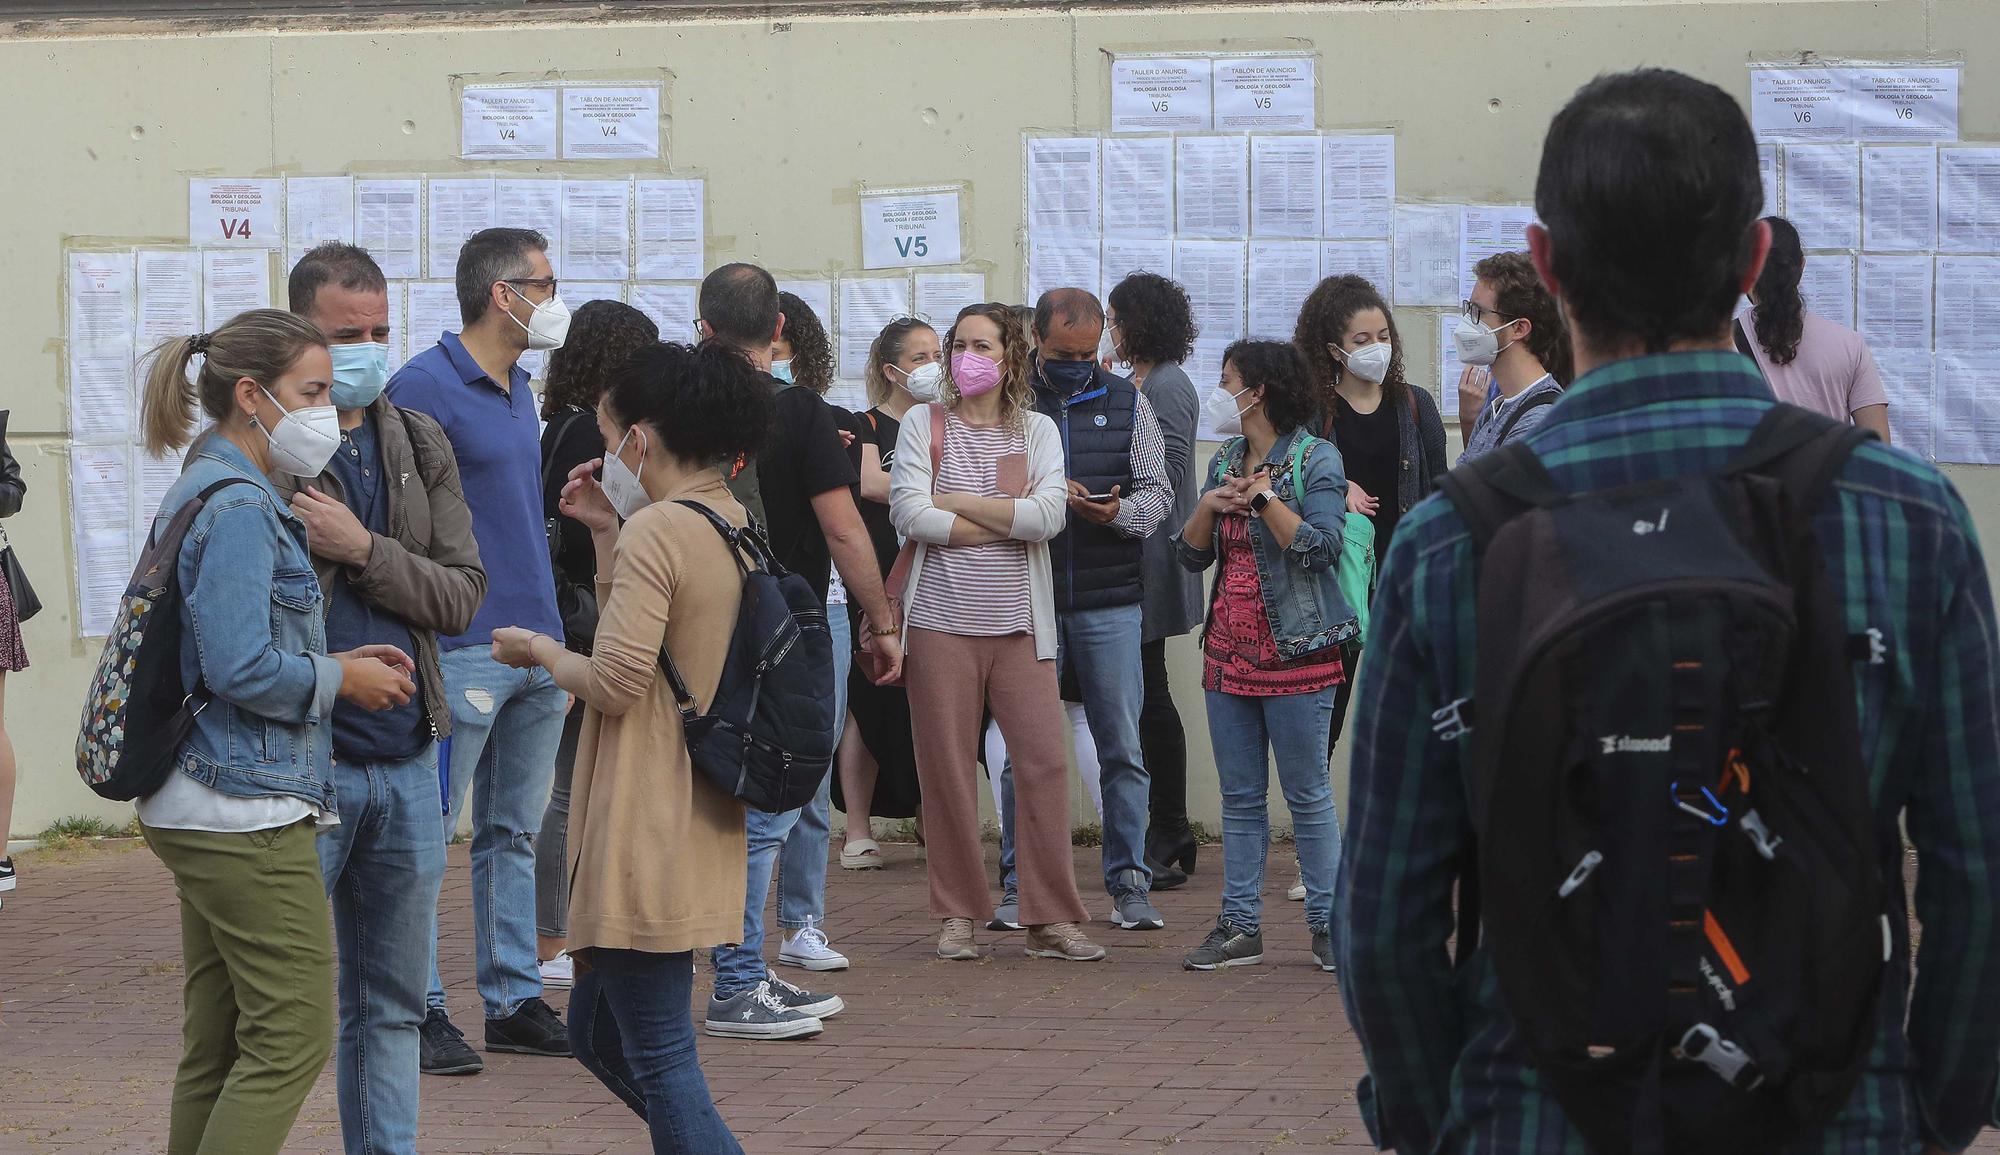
(1133, 911)
(1006, 916)
(804, 1001)
(1323, 950)
(1225, 946)
(757, 1013)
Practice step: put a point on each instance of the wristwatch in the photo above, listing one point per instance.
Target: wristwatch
(1263, 499)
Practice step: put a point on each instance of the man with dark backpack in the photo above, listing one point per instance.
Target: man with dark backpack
(1654, 694)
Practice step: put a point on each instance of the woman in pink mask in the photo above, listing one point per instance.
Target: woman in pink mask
(977, 490)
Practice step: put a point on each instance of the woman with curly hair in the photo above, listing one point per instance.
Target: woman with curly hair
(1809, 360)
(1152, 329)
(1389, 432)
(603, 336)
(980, 625)
(803, 353)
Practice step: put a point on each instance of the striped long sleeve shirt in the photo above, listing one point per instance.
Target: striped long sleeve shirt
(1448, 1072)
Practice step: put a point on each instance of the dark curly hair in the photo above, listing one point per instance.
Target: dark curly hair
(603, 335)
(705, 403)
(1323, 321)
(1518, 293)
(1780, 315)
(1155, 318)
(812, 351)
(1275, 367)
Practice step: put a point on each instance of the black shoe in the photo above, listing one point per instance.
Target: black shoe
(1165, 877)
(443, 1050)
(533, 1029)
(1171, 847)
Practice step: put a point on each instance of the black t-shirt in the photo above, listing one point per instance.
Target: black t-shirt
(881, 430)
(1370, 447)
(571, 439)
(802, 458)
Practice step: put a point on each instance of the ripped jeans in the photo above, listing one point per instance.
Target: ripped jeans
(506, 724)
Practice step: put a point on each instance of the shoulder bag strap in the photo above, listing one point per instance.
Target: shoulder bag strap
(1804, 451)
(735, 538)
(1536, 402)
(1492, 490)
(548, 455)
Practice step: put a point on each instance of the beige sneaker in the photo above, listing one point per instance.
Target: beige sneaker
(1062, 940)
(956, 941)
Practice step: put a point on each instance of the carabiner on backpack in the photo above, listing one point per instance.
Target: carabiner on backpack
(1719, 816)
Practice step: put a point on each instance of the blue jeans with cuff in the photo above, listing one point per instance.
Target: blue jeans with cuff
(1293, 728)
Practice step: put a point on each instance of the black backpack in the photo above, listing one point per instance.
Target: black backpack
(138, 712)
(1679, 880)
(768, 737)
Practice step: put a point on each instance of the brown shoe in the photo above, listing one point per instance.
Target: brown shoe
(1062, 940)
(956, 941)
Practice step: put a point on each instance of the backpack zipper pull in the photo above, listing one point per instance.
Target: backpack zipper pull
(1760, 834)
(1584, 868)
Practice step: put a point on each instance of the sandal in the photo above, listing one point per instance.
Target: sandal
(861, 854)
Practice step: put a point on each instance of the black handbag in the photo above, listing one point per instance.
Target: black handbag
(26, 604)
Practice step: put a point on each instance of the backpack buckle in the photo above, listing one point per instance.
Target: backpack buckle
(1705, 1045)
(1719, 816)
(1767, 844)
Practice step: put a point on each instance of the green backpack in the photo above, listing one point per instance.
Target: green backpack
(1354, 573)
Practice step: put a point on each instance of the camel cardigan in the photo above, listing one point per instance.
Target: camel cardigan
(656, 854)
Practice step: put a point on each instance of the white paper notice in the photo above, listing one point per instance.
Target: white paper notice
(530, 203)
(1062, 185)
(1823, 194)
(1284, 186)
(1909, 377)
(866, 305)
(1211, 186)
(1060, 262)
(901, 230)
(577, 294)
(1799, 104)
(1139, 186)
(941, 295)
(1282, 274)
(399, 325)
(1489, 230)
(597, 236)
(1767, 174)
(1449, 367)
(1214, 276)
(1828, 286)
(672, 308)
(1968, 304)
(233, 283)
(670, 230)
(1369, 260)
(154, 476)
(611, 123)
(1427, 255)
(1969, 199)
(388, 222)
(459, 207)
(100, 489)
(1150, 94)
(816, 293)
(235, 213)
(317, 208)
(433, 313)
(169, 295)
(1967, 425)
(1265, 93)
(507, 124)
(1898, 198)
(1903, 103)
(1359, 183)
(1123, 256)
(1895, 302)
(101, 292)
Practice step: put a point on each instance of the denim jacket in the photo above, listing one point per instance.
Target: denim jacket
(268, 729)
(1302, 600)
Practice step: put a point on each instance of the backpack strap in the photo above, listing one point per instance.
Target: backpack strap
(1492, 490)
(740, 541)
(1538, 401)
(1802, 450)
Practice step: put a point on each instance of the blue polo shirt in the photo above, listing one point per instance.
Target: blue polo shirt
(496, 435)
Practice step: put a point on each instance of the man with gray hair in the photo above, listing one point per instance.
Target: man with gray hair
(506, 723)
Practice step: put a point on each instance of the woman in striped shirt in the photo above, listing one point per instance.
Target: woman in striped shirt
(979, 614)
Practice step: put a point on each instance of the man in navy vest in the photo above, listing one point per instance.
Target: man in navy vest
(1116, 460)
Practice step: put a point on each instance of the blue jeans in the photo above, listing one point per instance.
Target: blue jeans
(1102, 648)
(383, 865)
(506, 724)
(794, 844)
(629, 1025)
(1294, 728)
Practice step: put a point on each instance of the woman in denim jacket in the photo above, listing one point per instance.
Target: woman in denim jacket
(235, 821)
(1272, 646)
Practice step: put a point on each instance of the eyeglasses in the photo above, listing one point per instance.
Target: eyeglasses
(698, 334)
(910, 318)
(548, 283)
(1473, 312)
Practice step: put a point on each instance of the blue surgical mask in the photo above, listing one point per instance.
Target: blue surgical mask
(782, 370)
(1068, 376)
(360, 372)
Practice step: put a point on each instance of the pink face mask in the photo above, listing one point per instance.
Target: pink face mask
(973, 374)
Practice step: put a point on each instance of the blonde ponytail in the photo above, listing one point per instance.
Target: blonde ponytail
(262, 344)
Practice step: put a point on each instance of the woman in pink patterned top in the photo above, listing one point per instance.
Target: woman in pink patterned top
(1271, 651)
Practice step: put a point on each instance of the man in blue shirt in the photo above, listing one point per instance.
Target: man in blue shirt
(392, 543)
(506, 723)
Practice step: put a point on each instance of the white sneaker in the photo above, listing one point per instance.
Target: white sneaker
(559, 973)
(806, 948)
(1297, 893)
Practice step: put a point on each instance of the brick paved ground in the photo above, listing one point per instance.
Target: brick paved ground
(1006, 1054)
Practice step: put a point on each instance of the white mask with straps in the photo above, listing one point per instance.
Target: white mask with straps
(303, 440)
(549, 327)
(619, 481)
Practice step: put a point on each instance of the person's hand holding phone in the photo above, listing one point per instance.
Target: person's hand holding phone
(1098, 508)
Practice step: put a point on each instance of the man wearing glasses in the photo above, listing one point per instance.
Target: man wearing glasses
(1514, 345)
(506, 723)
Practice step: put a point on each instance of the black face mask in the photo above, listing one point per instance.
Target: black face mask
(1068, 376)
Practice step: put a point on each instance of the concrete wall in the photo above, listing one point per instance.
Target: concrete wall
(786, 118)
